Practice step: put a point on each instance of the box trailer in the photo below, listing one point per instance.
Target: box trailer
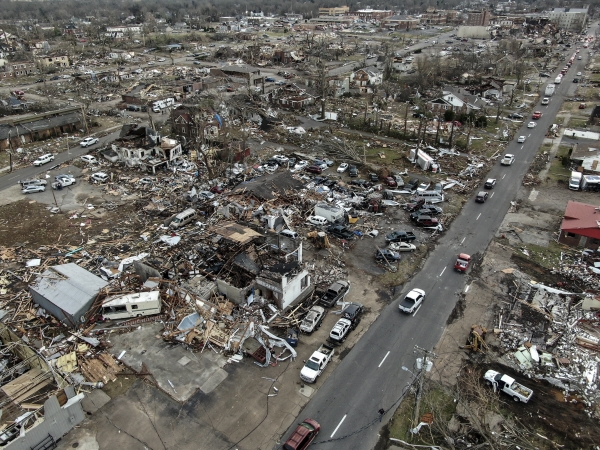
(590, 183)
(332, 213)
(132, 305)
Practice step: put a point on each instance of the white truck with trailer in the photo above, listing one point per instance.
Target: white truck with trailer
(508, 385)
(315, 365)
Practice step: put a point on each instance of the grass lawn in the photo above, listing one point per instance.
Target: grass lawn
(557, 171)
(577, 123)
(547, 257)
(390, 154)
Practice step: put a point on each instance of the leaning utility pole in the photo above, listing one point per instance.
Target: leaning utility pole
(424, 364)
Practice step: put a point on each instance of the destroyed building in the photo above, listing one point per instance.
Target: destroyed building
(66, 291)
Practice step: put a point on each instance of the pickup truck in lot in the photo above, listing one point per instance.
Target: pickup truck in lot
(425, 221)
(336, 292)
(341, 232)
(508, 385)
(400, 236)
(315, 365)
(312, 320)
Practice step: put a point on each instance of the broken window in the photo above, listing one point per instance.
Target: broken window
(134, 306)
(304, 282)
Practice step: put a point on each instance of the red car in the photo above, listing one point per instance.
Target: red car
(537, 114)
(390, 182)
(462, 262)
(303, 435)
(216, 189)
(314, 169)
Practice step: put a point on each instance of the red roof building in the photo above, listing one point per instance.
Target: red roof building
(581, 226)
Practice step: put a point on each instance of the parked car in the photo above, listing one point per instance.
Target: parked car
(431, 210)
(481, 197)
(373, 177)
(33, 189)
(425, 221)
(303, 435)
(44, 159)
(206, 195)
(582, 106)
(353, 171)
(490, 183)
(269, 80)
(341, 232)
(100, 177)
(342, 168)
(313, 319)
(314, 169)
(340, 330)
(400, 236)
(88, 141)
(391, 182)
(402, 247)
(508, 160)
(521, 139)
(281, 159)
(412, 301)
(515, 116)
(300, 165)
(387, 254)
(352, 312)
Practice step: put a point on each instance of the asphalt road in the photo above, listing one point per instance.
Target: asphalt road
(370, 377)
(75, 151)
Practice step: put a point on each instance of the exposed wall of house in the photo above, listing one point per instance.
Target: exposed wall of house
(234, 294)
(576, 240)
(288, 291)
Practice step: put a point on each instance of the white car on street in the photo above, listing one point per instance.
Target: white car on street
(531, 125)
(44, 159)
(88, 141)
(342, 167)
(89, 159)
(508, 160)
(33, 189)
(521, 139)
(100, 177)
(412, 301)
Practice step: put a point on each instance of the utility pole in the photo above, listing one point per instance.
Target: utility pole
(424, 363)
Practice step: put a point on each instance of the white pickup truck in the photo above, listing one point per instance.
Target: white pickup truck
(508, 385)
(315, 365)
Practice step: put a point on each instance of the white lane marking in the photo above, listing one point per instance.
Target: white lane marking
(478, 216)
(492, 195)
(339, 424)
(467, 288)
(442, 272)
(463, 240)
(529, 135)
(522, 147)
(417, 310)
(386, 355)
(503, 176)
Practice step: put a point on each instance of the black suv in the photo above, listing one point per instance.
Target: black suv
(352, 312)
(515, 116)
(353, 171)
(341, 232)
(373, 177)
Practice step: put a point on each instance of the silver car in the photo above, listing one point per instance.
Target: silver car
(33, 189)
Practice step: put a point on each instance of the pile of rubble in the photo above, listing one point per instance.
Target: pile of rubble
(553, 335)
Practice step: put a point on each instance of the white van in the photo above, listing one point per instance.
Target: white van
(289, 233)
(431, 196)
(132, 305)
(183, 218)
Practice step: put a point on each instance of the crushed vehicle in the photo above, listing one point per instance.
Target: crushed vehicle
(316, 364)
(508, 385)
(313, 319)
(335, 293)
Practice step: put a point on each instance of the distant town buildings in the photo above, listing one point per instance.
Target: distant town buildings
(571, 19)
(478, 18)
(335, 11)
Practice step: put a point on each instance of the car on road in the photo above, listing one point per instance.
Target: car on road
(490, 183)
(481, 197)
(544, 75)
(531, 125)
(44, 159)
(536, 115)
(401, 247)
(41, 80)
(575, 80)
(412, 301)
(65, 178)
(303, 435)
(33, 189)
(32, 182)
(545, 101)
(150, 63)
(521, 139)
(387, 254)
(578, 74)
(161, 59)
(101, 177)
(462, 262)
(342, 168)
(88, 141)
(508, 160)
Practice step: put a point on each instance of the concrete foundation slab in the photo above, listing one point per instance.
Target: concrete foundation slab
(307, 391)
(94, 401)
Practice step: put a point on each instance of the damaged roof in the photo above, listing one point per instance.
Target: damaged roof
(582, 219)
(235, 232)
(270, 186)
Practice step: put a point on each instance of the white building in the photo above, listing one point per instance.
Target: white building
(571, 19)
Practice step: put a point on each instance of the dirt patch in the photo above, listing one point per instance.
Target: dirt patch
(459, 310)
(30, 224)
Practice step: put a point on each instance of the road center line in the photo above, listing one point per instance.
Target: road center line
(463, 240)
(386, 355)
(442, 272)
(339, 424)
(467, 288)
(503, 176)
(478, 216)
(492, 195)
